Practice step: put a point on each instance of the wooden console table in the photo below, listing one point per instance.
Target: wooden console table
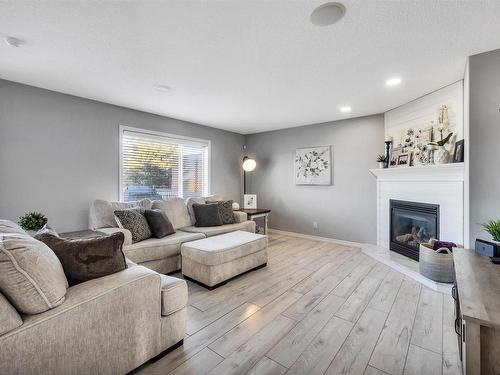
(259, 215)
(477, 293)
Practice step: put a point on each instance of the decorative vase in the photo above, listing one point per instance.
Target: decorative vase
(381, 164)
(441, 156)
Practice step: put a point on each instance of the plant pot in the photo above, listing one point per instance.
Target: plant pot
(381, 164)
(441, 156)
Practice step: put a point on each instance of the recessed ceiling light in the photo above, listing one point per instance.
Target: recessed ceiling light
(162, 88)
(394, 81)
(13, 42)
(345, 109)
(327, 14)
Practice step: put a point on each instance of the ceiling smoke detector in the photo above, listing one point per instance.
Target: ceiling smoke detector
(328, 14)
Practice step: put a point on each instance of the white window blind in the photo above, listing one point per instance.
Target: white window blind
(161, 166)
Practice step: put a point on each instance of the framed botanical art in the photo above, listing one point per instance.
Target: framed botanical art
(313, 166)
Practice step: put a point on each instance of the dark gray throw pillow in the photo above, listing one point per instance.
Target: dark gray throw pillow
(159, 223)
(207, 215)
(89, 258)
(226, 211)
(134, 220)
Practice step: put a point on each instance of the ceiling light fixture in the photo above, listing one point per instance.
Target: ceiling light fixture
(162, 88)
(394, 81)
(13, 42)
(345, 109)
(327, 14)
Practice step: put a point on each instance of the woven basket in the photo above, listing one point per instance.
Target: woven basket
(435, 265)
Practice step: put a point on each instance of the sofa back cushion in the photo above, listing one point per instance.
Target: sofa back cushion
(88, 258)
(176, 211)
(9, 317)
(101, 214)
(31, 276)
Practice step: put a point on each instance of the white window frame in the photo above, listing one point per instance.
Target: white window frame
(181, 139)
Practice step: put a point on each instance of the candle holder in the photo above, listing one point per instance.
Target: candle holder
(387, 154)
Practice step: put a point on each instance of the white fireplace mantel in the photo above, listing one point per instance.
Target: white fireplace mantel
(434, 184)
(441, 172)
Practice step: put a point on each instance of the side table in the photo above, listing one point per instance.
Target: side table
(259, 215)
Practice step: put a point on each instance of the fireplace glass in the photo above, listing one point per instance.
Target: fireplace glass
(412, 223)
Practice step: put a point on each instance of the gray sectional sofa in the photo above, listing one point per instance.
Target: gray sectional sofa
(109, 325)
(163, 255)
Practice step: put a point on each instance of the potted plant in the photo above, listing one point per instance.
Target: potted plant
(493, 228)
(381, 161)
(32, 222)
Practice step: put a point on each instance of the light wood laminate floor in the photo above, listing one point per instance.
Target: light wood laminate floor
(317, 308)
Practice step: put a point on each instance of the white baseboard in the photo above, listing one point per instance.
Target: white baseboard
(374, 252)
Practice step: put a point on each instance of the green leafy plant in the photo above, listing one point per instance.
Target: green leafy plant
(32, 221)
(381, 158)
(493, 228)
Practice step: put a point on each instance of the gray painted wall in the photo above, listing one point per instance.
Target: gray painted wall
(484, 155)
(60, 152)
(347, 210)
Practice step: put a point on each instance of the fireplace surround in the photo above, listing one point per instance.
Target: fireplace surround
(412, 223)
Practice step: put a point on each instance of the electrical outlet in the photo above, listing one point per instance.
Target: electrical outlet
(315, 224)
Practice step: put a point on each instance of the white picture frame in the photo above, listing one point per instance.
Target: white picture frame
(313, 165)
(250, 201)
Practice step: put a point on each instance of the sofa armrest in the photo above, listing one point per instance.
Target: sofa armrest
(9, 317)
(240, 217)
(174, 294)
(126, 233)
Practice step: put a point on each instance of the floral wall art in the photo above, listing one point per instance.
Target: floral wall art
(313, 166)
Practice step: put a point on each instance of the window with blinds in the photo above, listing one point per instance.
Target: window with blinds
(160, 166)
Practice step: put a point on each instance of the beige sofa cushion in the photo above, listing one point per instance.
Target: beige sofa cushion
(101, 214)
(174, 295)
(248, 226)
(9, 317)
(224, 248)
(126, 233)
(176, 211)
(159, 248)
(31, 276)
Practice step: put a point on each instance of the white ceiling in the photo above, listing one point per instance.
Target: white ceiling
(245, 66)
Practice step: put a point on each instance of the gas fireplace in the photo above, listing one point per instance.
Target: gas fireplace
(412, 223)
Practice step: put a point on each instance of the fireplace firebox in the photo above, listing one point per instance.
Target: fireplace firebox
(412, 223)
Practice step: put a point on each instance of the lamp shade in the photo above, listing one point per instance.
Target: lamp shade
(248, 164)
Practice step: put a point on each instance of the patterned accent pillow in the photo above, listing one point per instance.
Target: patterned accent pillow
(134, 220)
(226, 211)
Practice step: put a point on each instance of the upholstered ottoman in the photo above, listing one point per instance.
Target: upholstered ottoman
(214, 260)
